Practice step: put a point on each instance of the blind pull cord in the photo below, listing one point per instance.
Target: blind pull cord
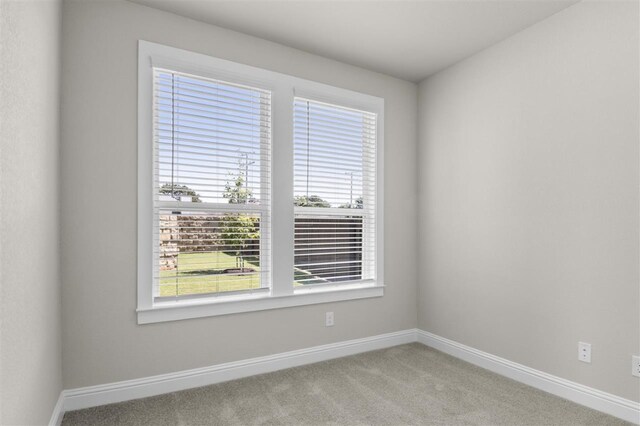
(173, 137)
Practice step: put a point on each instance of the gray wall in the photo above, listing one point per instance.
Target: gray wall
(102, 342)
(528, 204)
(30, 352)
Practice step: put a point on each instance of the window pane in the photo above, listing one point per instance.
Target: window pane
(204, 252)
(333, 148)
(209, 138)
(327, 249)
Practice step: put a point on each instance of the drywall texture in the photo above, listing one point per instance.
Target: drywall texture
(30, 352)
(102, 342)
(528, 204)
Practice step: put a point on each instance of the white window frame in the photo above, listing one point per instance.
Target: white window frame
(283, 90)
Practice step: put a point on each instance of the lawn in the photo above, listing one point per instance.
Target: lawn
(200, 273)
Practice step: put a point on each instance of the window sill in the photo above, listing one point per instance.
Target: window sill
(198, 308)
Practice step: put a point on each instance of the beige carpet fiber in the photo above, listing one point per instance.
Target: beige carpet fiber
(404, 385)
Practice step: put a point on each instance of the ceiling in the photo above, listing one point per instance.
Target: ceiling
(406, 39)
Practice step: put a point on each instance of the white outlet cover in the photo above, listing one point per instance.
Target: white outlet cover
(328, 319)
(584, 352)
(635, 365)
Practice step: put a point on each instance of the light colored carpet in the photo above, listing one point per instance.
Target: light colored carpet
(404, 385)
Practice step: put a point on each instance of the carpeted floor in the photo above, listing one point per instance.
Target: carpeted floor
(404, 385)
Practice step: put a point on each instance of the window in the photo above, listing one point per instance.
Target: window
(223, 149)
(212, 145)
(334, 193)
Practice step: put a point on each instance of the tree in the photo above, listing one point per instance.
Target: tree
(238, 229)
(177, 191)
(236, 192)
(310, 201)
(357, 205)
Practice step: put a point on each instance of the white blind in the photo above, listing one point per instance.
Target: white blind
(334, 193)
(211, 177)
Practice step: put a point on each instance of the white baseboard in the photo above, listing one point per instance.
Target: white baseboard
(602, 401)
(75, 399)
(92, 396)
(58, 411)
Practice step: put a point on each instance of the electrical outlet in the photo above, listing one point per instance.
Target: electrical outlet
(328, 319)
(584, 352)
(635, 365)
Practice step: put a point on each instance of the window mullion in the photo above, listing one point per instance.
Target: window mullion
(282, 193)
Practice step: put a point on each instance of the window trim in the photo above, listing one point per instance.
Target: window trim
(284, 88)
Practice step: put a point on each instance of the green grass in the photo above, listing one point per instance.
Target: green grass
(200, 273)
